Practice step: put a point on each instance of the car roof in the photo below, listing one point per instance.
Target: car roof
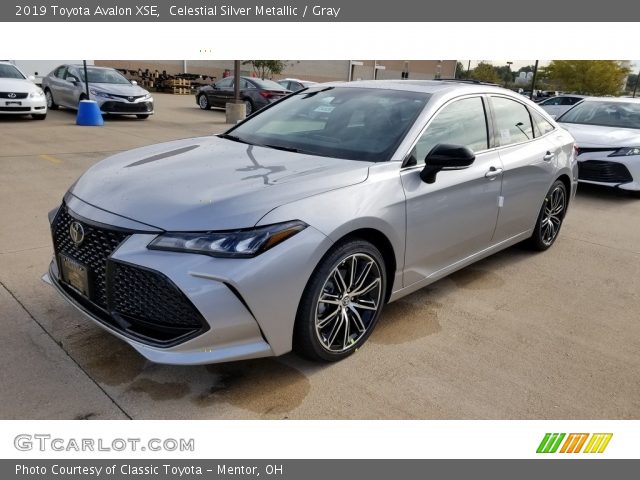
(425, 86)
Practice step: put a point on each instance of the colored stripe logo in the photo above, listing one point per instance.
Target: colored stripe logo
(574, 443)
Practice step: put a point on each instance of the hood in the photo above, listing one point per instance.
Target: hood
(16, 85)
(595, 136)
(209, 183)
(120, 89)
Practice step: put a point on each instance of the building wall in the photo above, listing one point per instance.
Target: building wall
(316, 70)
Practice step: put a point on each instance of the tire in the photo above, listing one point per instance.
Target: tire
(51, 105)
(203, 102)
(332, 322)
(550, 218)
(38, 117)
(142, 116)
(249, 108)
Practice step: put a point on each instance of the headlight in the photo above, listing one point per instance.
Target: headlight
(36, 93)
(237, 243)
(626, 151)
(99, 93)
(147, 96)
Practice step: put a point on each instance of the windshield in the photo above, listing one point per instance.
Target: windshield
(101, 75)
(342, 122)
(9, 71)
(606, 114)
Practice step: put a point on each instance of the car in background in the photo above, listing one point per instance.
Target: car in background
(607, 133)
(292, 230)
(19, 95)
(295, 84)
(115, 95)
(254, 92)
(559, 104)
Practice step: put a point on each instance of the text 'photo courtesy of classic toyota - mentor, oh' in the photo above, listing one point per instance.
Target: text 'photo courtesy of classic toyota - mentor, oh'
(295, 227)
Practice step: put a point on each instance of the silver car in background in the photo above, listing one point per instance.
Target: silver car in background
(556, 106)
(295, 227)
(607, 133)
(65, 86)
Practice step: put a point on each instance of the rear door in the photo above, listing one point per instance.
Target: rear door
(455, 216)
(529, 159)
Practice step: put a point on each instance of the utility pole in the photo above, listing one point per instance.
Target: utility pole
(236, 81)
(533, 81)
(510, 74)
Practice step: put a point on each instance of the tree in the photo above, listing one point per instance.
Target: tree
(266, 68)
(591, 77)
(461, 72)
(485, 72)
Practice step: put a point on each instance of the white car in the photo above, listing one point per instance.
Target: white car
(19, 95)
(556, 106)
(607, 133)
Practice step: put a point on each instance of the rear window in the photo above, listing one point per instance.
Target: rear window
(267, 84)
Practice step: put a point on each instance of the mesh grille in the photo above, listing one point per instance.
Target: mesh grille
(149, 296)
(141, 107)
(93, 252)
(602, 171)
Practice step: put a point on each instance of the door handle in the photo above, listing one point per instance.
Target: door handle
(548, 156)
(493, 172)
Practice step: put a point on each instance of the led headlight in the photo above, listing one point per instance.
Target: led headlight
(36, 93)
(147, 96)
(626, 151)
(236, 243)
(99, 93)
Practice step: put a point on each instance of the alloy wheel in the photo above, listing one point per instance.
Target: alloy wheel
(553, 214)
(348, 302)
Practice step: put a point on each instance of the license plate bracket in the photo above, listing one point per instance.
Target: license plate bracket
(13, 103)
(74, 274)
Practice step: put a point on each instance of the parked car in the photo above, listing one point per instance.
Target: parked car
(254, 92)
(556, 106)
(295, 84)
(607, 133)
(19, 95)
(293, 231)
(65, 87)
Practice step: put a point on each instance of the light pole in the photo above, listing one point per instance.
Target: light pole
(533, 81)
(510, 74)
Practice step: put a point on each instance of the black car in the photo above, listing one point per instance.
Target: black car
(254, 92)
(295, 85)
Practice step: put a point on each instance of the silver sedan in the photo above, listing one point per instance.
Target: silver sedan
(66, 86)
(295, 227)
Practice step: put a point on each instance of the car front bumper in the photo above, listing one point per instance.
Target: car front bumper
(114, 106)
(248, 305)
(620, 172)
(23, 106)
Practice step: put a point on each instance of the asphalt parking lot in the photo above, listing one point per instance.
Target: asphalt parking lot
(517, 336)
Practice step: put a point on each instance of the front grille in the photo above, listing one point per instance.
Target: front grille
(93, 252)
(152, 305)
(12, 95)
(603, 171)
(142, 107)
(15, 109)
(130, 98)
(138, 302)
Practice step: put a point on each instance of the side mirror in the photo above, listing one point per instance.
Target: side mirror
(445, 156)
(133, 82)
(73, 79)
(31, 78)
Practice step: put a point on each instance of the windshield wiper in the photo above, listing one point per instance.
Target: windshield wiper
(233, 138)
(279, 147)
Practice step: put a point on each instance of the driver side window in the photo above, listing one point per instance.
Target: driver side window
(462, 122)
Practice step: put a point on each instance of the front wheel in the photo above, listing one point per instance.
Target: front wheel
(341, 303)
(203, 102)
(51, 105)
(554, 208)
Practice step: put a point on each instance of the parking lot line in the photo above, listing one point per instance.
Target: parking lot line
(52, 159)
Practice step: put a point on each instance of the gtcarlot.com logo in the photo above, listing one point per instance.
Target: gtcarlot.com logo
(574, 443)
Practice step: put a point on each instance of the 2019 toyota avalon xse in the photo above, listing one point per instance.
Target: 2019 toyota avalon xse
(295, 227)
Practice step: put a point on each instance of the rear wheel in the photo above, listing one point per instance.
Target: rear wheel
(203, 102)
(248, 104)
(341, 303)
(51, 105)
(550, 218)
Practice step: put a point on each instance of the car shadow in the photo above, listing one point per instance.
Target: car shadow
(605, 194)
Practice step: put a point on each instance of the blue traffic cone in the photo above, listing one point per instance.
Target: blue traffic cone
(89, 114)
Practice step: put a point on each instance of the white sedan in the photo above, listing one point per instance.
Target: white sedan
(607, 133)
(559, 104)
(19, 95)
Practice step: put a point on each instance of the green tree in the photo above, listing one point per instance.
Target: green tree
(461, 72)
(591, 77)
(485, 72)
(266, 68)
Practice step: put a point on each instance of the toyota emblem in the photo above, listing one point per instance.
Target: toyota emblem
(12, 95)
(76, 232)
(131, 99)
